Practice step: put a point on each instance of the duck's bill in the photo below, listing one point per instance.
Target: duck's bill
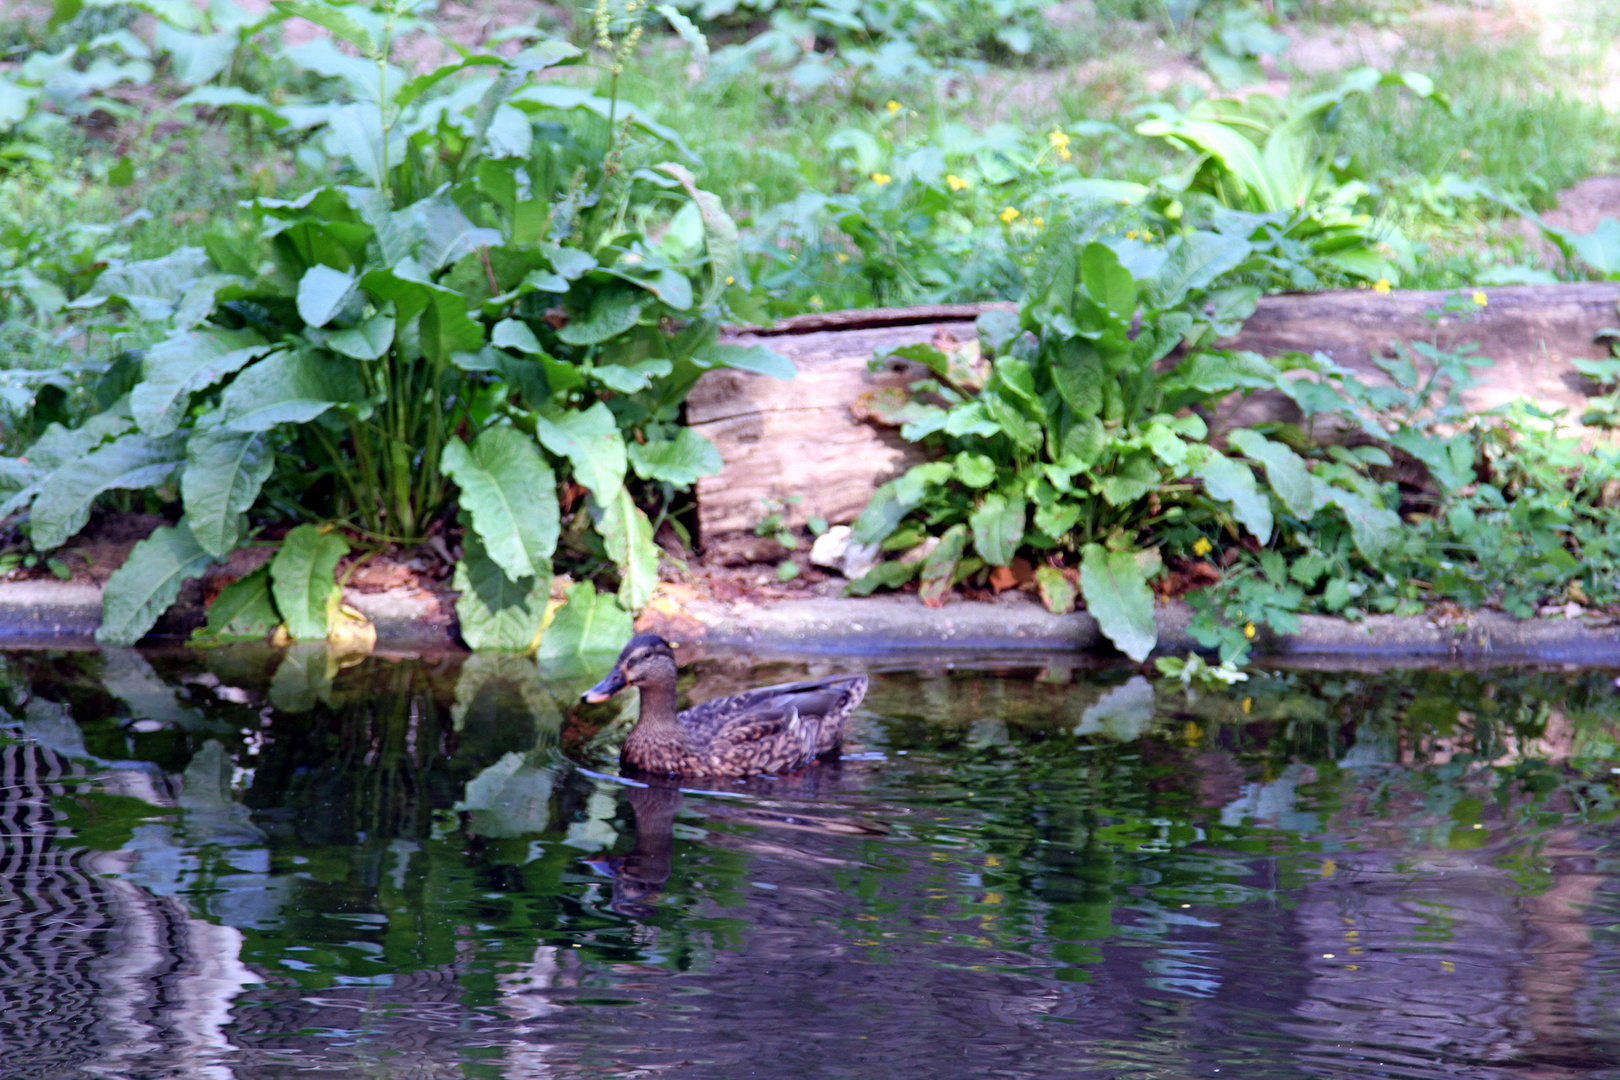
(605, 689)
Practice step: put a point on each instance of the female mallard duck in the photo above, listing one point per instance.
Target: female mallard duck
(774, 729)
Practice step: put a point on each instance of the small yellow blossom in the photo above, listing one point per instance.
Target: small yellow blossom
(955, 183)
(880, 178)
(893, 107)
(1130, 234)
(1009, 215)
(1248, 631)
(815, 301)
(1479, 298)
(730, 280)
(1381, 285)
(842, 257)
(1248, 703)
(1057, 139)
(1202, 546)
(1065, 153)
(1038, 221)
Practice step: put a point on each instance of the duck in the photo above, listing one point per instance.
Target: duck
(768, 730)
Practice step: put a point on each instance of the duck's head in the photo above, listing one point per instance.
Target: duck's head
(647, 659)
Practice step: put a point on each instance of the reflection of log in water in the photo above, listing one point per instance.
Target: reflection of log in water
(98, 974)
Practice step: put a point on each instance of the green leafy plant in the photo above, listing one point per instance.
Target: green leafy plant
(502, 295)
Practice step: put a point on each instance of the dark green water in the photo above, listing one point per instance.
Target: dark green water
(241, 864)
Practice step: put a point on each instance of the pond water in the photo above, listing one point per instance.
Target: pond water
(242, 864)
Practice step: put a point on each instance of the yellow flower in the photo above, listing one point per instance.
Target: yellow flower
(841, 257)
(880, 178)
(1202, 546)
(1248, 631)
(1248, 703)
(1064, 153)
(1057, 139)
(815, 301)
(730, 280)
(1037, 221)
(893, 107)
(1381, 285)
(1009, 215)
(1130, 234)
(1479, 298)
(955, 183)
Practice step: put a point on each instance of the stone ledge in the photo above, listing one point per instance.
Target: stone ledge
(51, 614)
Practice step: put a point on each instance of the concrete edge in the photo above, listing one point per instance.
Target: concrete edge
(53, 614)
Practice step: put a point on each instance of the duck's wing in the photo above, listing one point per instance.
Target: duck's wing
(773, 707)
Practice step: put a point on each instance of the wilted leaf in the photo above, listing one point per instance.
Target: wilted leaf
(1058, 593)
(939, 569)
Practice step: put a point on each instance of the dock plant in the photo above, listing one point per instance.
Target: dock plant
(1096, 422)
(494, 321)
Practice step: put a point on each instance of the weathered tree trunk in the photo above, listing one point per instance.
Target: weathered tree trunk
(781, 439)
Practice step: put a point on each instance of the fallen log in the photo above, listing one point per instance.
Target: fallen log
(780, 440)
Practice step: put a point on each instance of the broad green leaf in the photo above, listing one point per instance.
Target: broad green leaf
(974, 470)
(591, 442)
(590, 623)
(1194, 261)
(679, 461)
(224, 472)
(1078, 374)
(153, 288)
(194, 58)
(304, 677)
(611, 313)
(1374, 529)
(1233, 482)
(515, 334)
(243, 611)
(322, 292)
(1137, 476)
(141, 590)
(368, 341)
(629, 378)
(445, 326)
(627, 535)
(179, 366)
(1117, 596)
(1302, 493)
(1109, 284)
(885, 575)
(367, 83)
(496, 613)
(334, 18)
(288, 388)
(130, 463)
(303, 581)
(939, 569)
(998, 527)
(761, 359)
(881, 515)
(511, 494)
(1058, 593)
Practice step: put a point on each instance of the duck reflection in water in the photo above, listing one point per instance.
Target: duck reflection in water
(639, 875)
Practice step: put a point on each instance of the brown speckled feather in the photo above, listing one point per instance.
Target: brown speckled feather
(771, 729)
